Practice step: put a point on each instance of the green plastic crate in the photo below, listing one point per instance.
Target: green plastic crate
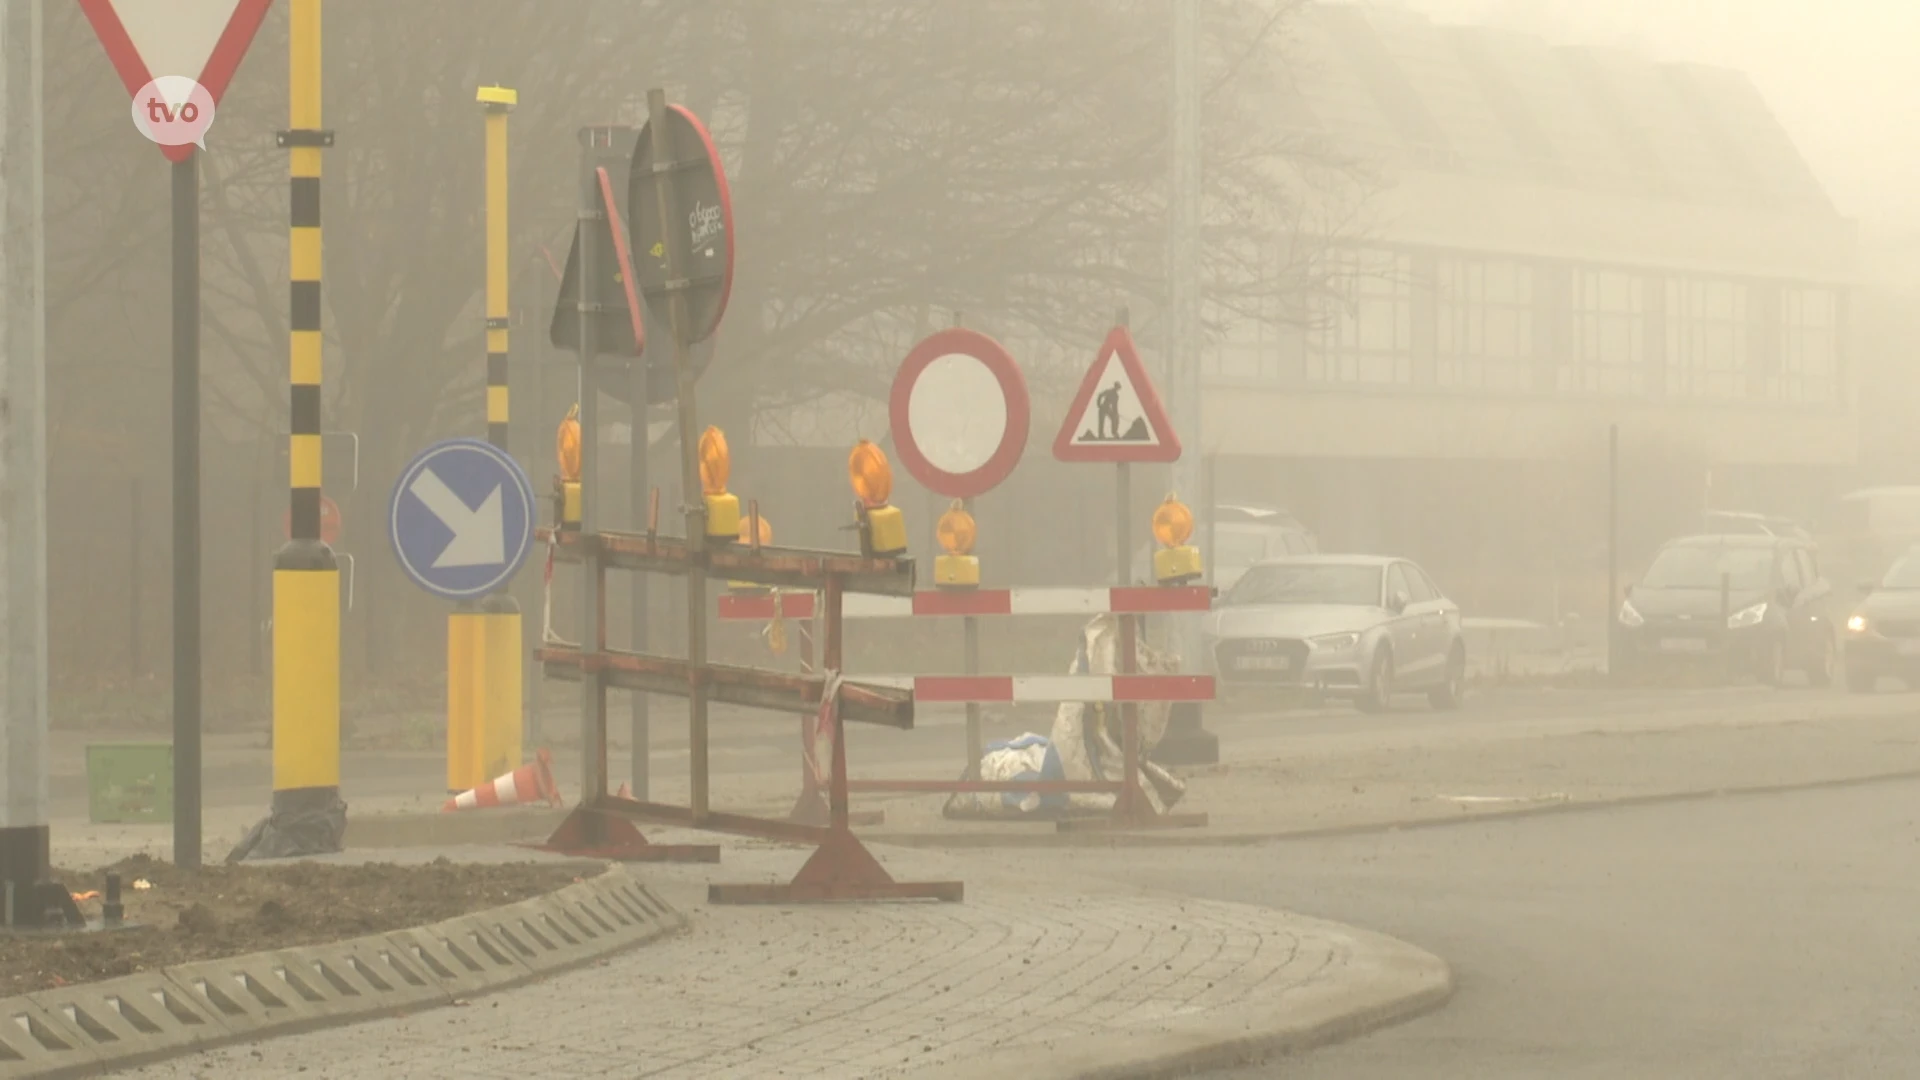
(130, 783)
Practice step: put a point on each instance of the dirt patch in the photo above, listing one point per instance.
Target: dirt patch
(223, 911)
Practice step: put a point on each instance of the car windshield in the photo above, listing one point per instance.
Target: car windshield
(1308, 583)
(1904, 574)
(1700, 566)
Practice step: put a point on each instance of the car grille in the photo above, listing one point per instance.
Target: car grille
(1898, 628)
(1261, 659)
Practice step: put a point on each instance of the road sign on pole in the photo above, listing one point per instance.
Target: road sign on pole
(618, 318)
(329, 521)
(461, 518)
(1116, 417)
(176, 60)
(959, 413)
(697, 187)
(201, 40)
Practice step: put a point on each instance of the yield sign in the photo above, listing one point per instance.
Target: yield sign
(202, 40)
(1116, 416)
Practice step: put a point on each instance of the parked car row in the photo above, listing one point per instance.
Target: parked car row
(1760, 604)
(1747, 597)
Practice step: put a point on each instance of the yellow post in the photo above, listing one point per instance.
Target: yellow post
(306, 579)
(484, 638)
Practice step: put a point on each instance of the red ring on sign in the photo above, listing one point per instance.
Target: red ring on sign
(1013, 390)
(726, 210)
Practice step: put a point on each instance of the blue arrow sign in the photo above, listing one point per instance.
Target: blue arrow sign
(461, 518)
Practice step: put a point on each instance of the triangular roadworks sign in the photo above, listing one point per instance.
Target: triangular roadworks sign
(1116, 416)
(203, 40)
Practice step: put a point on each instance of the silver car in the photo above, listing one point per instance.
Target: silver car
(1359, 626)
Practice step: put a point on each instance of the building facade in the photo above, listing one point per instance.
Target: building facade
(1566, 241)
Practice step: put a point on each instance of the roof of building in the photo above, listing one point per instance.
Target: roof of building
(1504, 104)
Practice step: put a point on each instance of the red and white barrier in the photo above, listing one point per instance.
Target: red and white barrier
(929, 689)
(938, 603)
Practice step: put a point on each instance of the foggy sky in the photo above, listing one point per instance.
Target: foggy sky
(1842, 75)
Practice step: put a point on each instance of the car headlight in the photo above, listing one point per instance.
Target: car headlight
(1629, 616)
(1333, 642)
(1747, 617)
(1857, 624)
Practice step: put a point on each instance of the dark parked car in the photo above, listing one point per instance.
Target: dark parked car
(1748, 603)
(1883, 633)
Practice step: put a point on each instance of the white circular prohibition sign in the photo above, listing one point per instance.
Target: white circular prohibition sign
(959, 413)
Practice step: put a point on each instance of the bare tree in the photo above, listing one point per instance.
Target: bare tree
(890, 159)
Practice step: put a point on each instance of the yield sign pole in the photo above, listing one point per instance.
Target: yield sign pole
(203, 40)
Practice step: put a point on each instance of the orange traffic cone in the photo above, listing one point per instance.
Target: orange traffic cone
(531, 781)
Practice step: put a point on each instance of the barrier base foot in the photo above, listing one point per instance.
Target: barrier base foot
(594, 834)
(1186, 742)
(840, 869)
(1120, 824)
(811, 809)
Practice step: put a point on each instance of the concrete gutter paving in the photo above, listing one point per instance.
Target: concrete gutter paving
(1382, 982)
(97, 1027)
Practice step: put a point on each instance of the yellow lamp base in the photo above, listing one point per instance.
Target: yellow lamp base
(723, 517)
(887, 530)
(956, 571)
(1176, 565)
(570, 504)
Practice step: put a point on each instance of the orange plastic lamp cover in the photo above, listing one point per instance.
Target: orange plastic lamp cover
(956, 530)
(871, 475)
(567, 445)
(716, 463)
(1172, 523)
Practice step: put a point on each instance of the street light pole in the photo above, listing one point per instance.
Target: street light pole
(1186, 742)
(27, 898)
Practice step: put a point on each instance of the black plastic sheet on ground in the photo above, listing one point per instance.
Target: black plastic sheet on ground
(302, 823)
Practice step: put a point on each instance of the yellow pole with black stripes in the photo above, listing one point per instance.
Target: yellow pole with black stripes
(484, 659)
(308, 816)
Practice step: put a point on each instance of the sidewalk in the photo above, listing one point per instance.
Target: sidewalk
(1282, 782)
(1057, 975)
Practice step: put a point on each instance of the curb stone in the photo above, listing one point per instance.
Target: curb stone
(1385, 982)
(98, 1027)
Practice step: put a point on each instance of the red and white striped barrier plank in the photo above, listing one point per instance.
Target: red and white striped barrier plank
(930, 689)
(1134, 600)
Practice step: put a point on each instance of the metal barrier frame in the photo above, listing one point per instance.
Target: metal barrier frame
(1132, 807)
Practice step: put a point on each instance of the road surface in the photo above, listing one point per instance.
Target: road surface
(1746, 937)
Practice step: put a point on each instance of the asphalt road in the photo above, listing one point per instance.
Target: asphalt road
(1749, 937)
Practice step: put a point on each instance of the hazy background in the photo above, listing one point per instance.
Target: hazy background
(1842, 75)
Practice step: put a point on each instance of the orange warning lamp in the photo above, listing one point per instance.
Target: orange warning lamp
(957, 567)
(567, 450)
(716, 465)
(872, 479)
(746, 540)
(1177, 562)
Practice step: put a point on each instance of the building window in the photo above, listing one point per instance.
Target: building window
(1809, 347)
(1251, 348)
(1609, 335)
(1364, 333)
(1486, 320)
(1708, 332)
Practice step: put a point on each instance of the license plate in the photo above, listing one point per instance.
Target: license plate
(1682, 644)
(1263, 663)
(1910, 647)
